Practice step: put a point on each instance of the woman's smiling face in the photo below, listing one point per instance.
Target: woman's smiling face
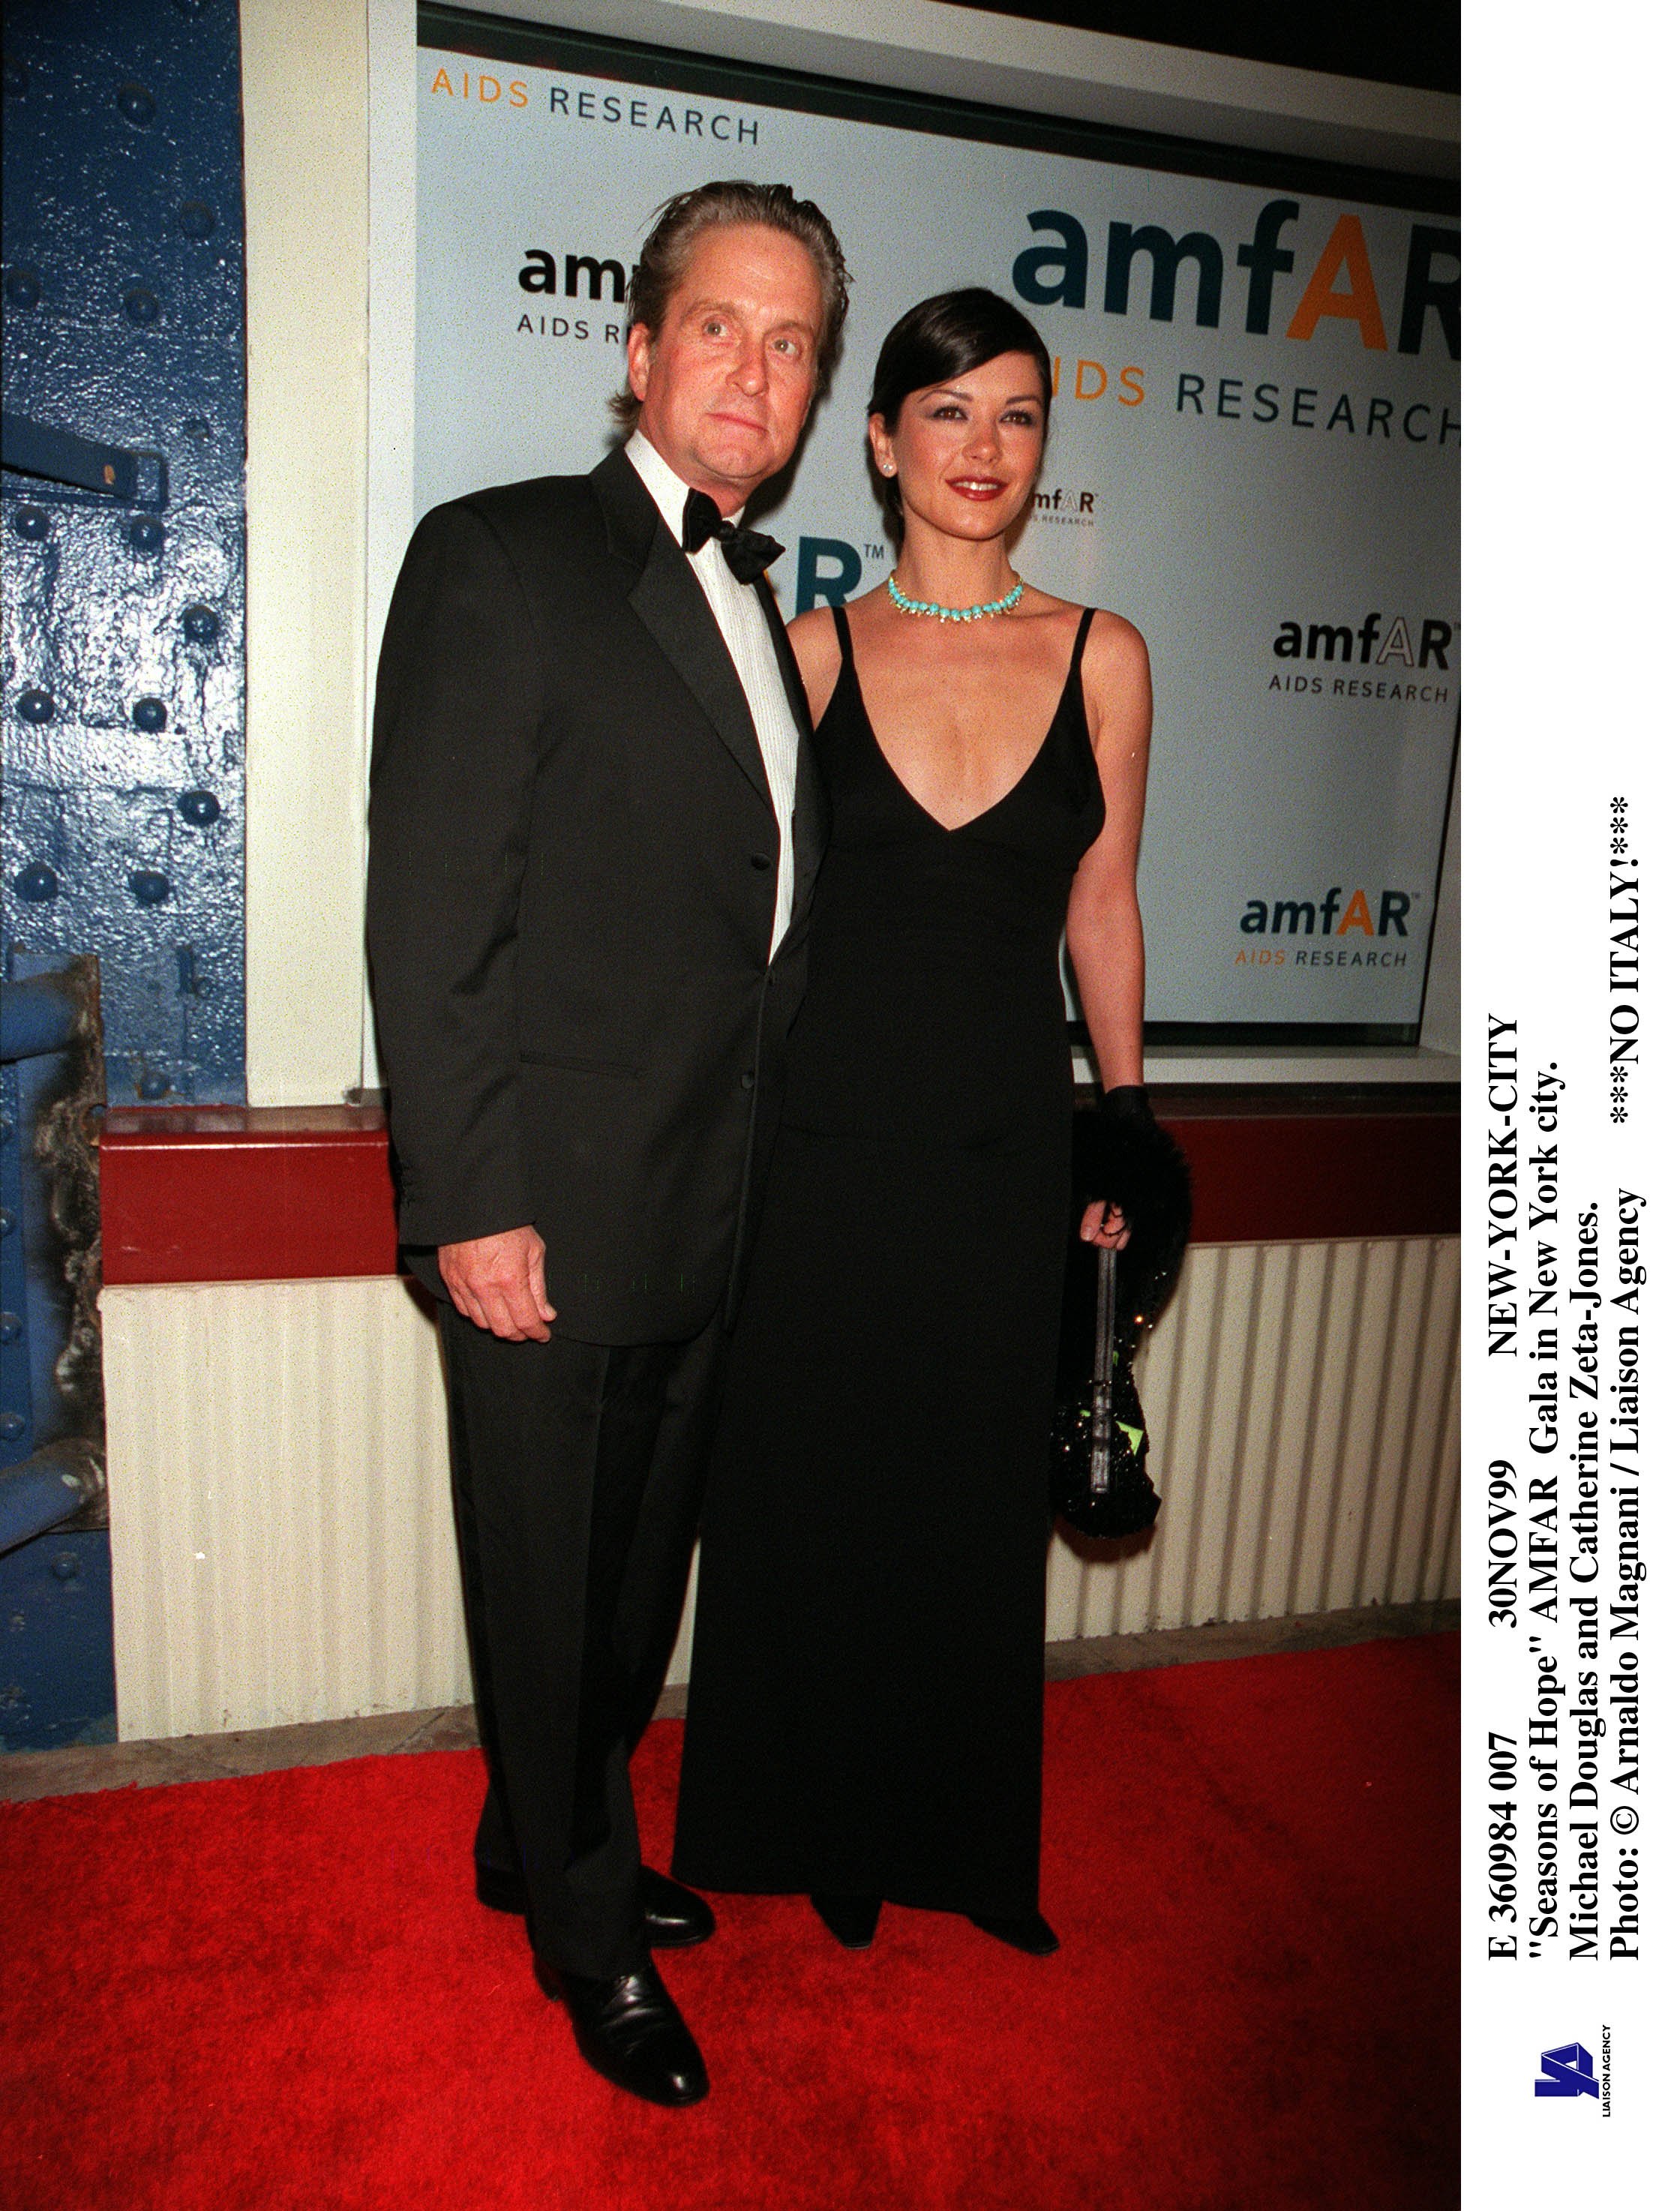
(966, 453)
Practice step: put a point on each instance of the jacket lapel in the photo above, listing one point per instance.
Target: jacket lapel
(811, 801)
(666, 596)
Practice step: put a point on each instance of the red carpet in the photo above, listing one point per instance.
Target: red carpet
(281, 1992)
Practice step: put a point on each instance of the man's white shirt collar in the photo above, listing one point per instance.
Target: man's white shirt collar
(669, 492)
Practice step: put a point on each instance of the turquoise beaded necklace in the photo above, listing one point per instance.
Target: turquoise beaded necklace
(907, 605)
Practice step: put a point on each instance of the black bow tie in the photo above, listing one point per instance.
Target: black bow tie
(748, 552)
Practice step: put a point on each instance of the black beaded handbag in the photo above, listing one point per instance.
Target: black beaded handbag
(1099, 1483)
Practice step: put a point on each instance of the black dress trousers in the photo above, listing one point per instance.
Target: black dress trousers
(577, 1478)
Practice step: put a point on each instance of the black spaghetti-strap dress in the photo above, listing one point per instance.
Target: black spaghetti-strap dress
(865, 1709)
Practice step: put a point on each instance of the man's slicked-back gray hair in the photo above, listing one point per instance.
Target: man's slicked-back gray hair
(677, 226)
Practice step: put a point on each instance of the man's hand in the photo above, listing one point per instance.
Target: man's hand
(496, 1283)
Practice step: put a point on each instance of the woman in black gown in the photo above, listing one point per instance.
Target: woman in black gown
(866, 1702)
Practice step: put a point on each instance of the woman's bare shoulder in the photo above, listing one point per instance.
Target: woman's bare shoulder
(810, 631)
(814, 638)
(1115, 649)
(1114, 646)
(1118, 692)
(816, 643)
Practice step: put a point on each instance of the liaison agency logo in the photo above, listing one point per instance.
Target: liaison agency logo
(1566, 2072)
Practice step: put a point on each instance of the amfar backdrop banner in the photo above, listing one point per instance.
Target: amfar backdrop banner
(1253, 453)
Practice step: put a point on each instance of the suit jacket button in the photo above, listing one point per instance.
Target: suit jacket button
(761, 860)
(747, 1080)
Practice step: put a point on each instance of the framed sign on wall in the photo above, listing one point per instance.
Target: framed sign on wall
(1254, 451)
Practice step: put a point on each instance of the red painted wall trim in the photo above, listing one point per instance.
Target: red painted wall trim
(229, 1194)
(246, 1194)
(1277, 1178)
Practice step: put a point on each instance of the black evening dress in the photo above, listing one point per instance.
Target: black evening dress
(866, 1708)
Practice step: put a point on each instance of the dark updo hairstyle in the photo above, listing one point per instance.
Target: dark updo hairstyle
(942, 339)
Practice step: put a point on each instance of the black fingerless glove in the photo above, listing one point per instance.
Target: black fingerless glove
(1131, 1162)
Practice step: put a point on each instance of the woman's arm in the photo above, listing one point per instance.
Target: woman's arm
(1105, 930)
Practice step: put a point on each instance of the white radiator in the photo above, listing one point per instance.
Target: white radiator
(280, 1541)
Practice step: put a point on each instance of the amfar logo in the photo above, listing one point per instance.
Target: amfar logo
(1334, 641)
(1077, 509)
(1307, 916)
(829, 570)
(1566, 2071)
(1341, 286)
(541, 273)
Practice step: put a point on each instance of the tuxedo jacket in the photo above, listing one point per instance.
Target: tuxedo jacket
(572, 886)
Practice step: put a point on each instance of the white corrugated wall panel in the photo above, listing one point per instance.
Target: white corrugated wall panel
(281, 1540)
(281, 1547)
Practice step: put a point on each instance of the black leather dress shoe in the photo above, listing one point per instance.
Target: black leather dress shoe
(850, 1919)
(674, 1917)
(631, 2032)
(1031, 1933)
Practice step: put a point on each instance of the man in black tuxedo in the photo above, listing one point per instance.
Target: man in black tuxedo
(595, 823)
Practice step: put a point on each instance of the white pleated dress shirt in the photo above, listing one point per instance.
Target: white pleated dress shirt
(746, 631)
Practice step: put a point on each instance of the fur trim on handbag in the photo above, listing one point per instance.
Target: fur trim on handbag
(1131, 1162)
